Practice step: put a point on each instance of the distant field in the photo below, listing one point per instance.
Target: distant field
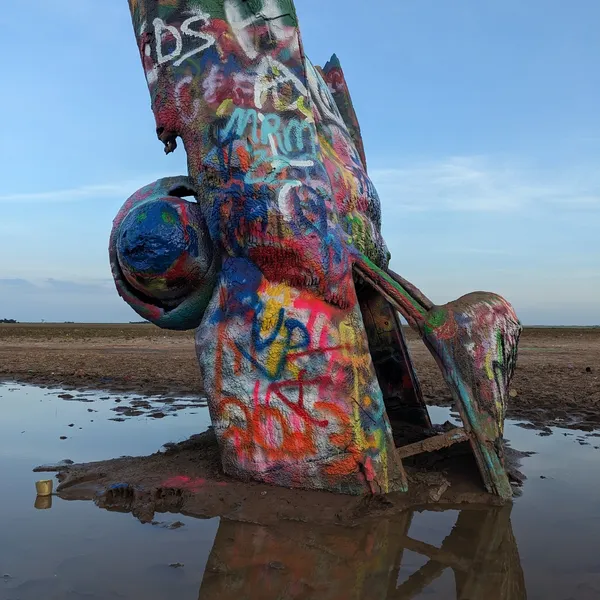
(86, 330)
(147, 330)
(558, 374)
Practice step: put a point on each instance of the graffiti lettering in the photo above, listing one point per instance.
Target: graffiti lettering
(271, 77)
(276, 335)
(272, 146)
(164, 34)
(282, 345)
(294, 136)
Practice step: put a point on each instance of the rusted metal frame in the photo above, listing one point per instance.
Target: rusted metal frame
(387, 343)
(437, 442)
(407, 306)
(411, 368)
(485, 460)
(414, 291)
(491, 469)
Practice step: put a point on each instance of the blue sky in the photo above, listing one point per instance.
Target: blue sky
(481, 124)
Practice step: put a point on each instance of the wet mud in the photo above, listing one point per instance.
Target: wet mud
(186, 477)
(557, 382)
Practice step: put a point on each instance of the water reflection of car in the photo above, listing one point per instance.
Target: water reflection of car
(296, 561)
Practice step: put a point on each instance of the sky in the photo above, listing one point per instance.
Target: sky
(480, 119)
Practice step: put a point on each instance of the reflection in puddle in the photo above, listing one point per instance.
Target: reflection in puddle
(54, 549)
(293, 561)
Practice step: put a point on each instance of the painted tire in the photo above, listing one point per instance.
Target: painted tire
(163, 262)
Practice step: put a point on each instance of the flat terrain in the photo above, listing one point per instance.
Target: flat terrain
(557, 380)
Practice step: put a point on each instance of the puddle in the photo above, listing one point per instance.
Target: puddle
(544, 546)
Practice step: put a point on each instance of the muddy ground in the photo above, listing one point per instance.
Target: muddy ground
(186, 478)
(557, 380)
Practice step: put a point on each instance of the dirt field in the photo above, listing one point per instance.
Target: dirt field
(557, 380)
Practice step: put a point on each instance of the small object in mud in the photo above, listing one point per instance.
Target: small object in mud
(65, 396)
(43, 502)
(436, 483)
(43, 487)
(515, 479)
(436, 492)
(177, 565)
(513, 393)
(588, 369)
(63, 437)
(263, 493)
(275, 564)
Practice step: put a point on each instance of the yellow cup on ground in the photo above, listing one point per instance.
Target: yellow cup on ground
(44, 487)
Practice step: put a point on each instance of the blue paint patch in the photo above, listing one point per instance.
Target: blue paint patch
(118, 486)
(152, 238)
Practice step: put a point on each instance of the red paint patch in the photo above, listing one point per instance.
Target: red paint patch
(188, 483)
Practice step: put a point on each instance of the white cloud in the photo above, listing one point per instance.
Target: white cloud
(73, 194)
(120, 189)
(461, 183)
(478, 184)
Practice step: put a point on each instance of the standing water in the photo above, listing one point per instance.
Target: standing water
(544, 546)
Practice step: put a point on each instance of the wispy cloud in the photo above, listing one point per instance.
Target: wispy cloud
(120, 189)
(468, 183)
(483, 251)
(462, 183)
(50, 285)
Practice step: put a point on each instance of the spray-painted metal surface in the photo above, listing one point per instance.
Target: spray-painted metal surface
(280, 264)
